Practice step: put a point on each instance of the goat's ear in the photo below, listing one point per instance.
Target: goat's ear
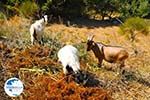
(42, 16)
(43, 13)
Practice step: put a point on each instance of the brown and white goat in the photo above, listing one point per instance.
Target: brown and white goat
(111, 54)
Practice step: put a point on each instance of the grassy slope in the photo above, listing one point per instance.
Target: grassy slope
(139, 63)
(134, 86)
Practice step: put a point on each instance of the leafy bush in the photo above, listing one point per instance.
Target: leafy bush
(28, 8)
(134, 25)
(75, 8)
(54, 44)
(133, 8)
(2, 15)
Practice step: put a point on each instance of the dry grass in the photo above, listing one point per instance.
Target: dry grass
(15, 28)
(36, 65)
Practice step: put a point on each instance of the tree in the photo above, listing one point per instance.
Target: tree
(102, 7)
(75, 8)
(134, 8)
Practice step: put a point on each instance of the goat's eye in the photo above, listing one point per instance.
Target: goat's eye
(89, 43)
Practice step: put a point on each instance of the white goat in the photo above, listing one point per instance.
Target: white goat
(36, 29)
(68, 56)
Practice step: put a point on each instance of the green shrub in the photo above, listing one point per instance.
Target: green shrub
(54, 44)
(82, 51)
(133, 26)
(2, 15)
(28, 8)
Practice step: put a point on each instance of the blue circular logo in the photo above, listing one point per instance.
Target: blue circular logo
(13, 87)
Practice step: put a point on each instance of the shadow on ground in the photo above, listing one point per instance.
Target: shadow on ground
(90, 23)
(88, 79)
(133, 76)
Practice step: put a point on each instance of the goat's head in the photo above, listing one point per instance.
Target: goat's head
(45, 17)
(90, 43)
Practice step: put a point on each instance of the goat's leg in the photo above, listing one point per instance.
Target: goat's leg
(34, 37)
(100, 62)
(39, 39)
(122, 64)
(65, 70)
(42, 40)
(32, 40)
(121, 68)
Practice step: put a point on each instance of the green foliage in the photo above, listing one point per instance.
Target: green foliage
(28, 8)
(134, 25)
(144, 8)
(75, 8)
(134, 8)
(46, 5)
(2, 15)
(102, 7)
(83, 54)
(54, 44)
(10, 7)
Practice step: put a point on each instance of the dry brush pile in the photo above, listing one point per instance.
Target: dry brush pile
(42, 76)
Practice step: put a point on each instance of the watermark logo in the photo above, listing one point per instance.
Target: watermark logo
(13, 87)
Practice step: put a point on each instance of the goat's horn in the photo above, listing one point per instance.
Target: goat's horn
(92, 37)
(88, 38)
